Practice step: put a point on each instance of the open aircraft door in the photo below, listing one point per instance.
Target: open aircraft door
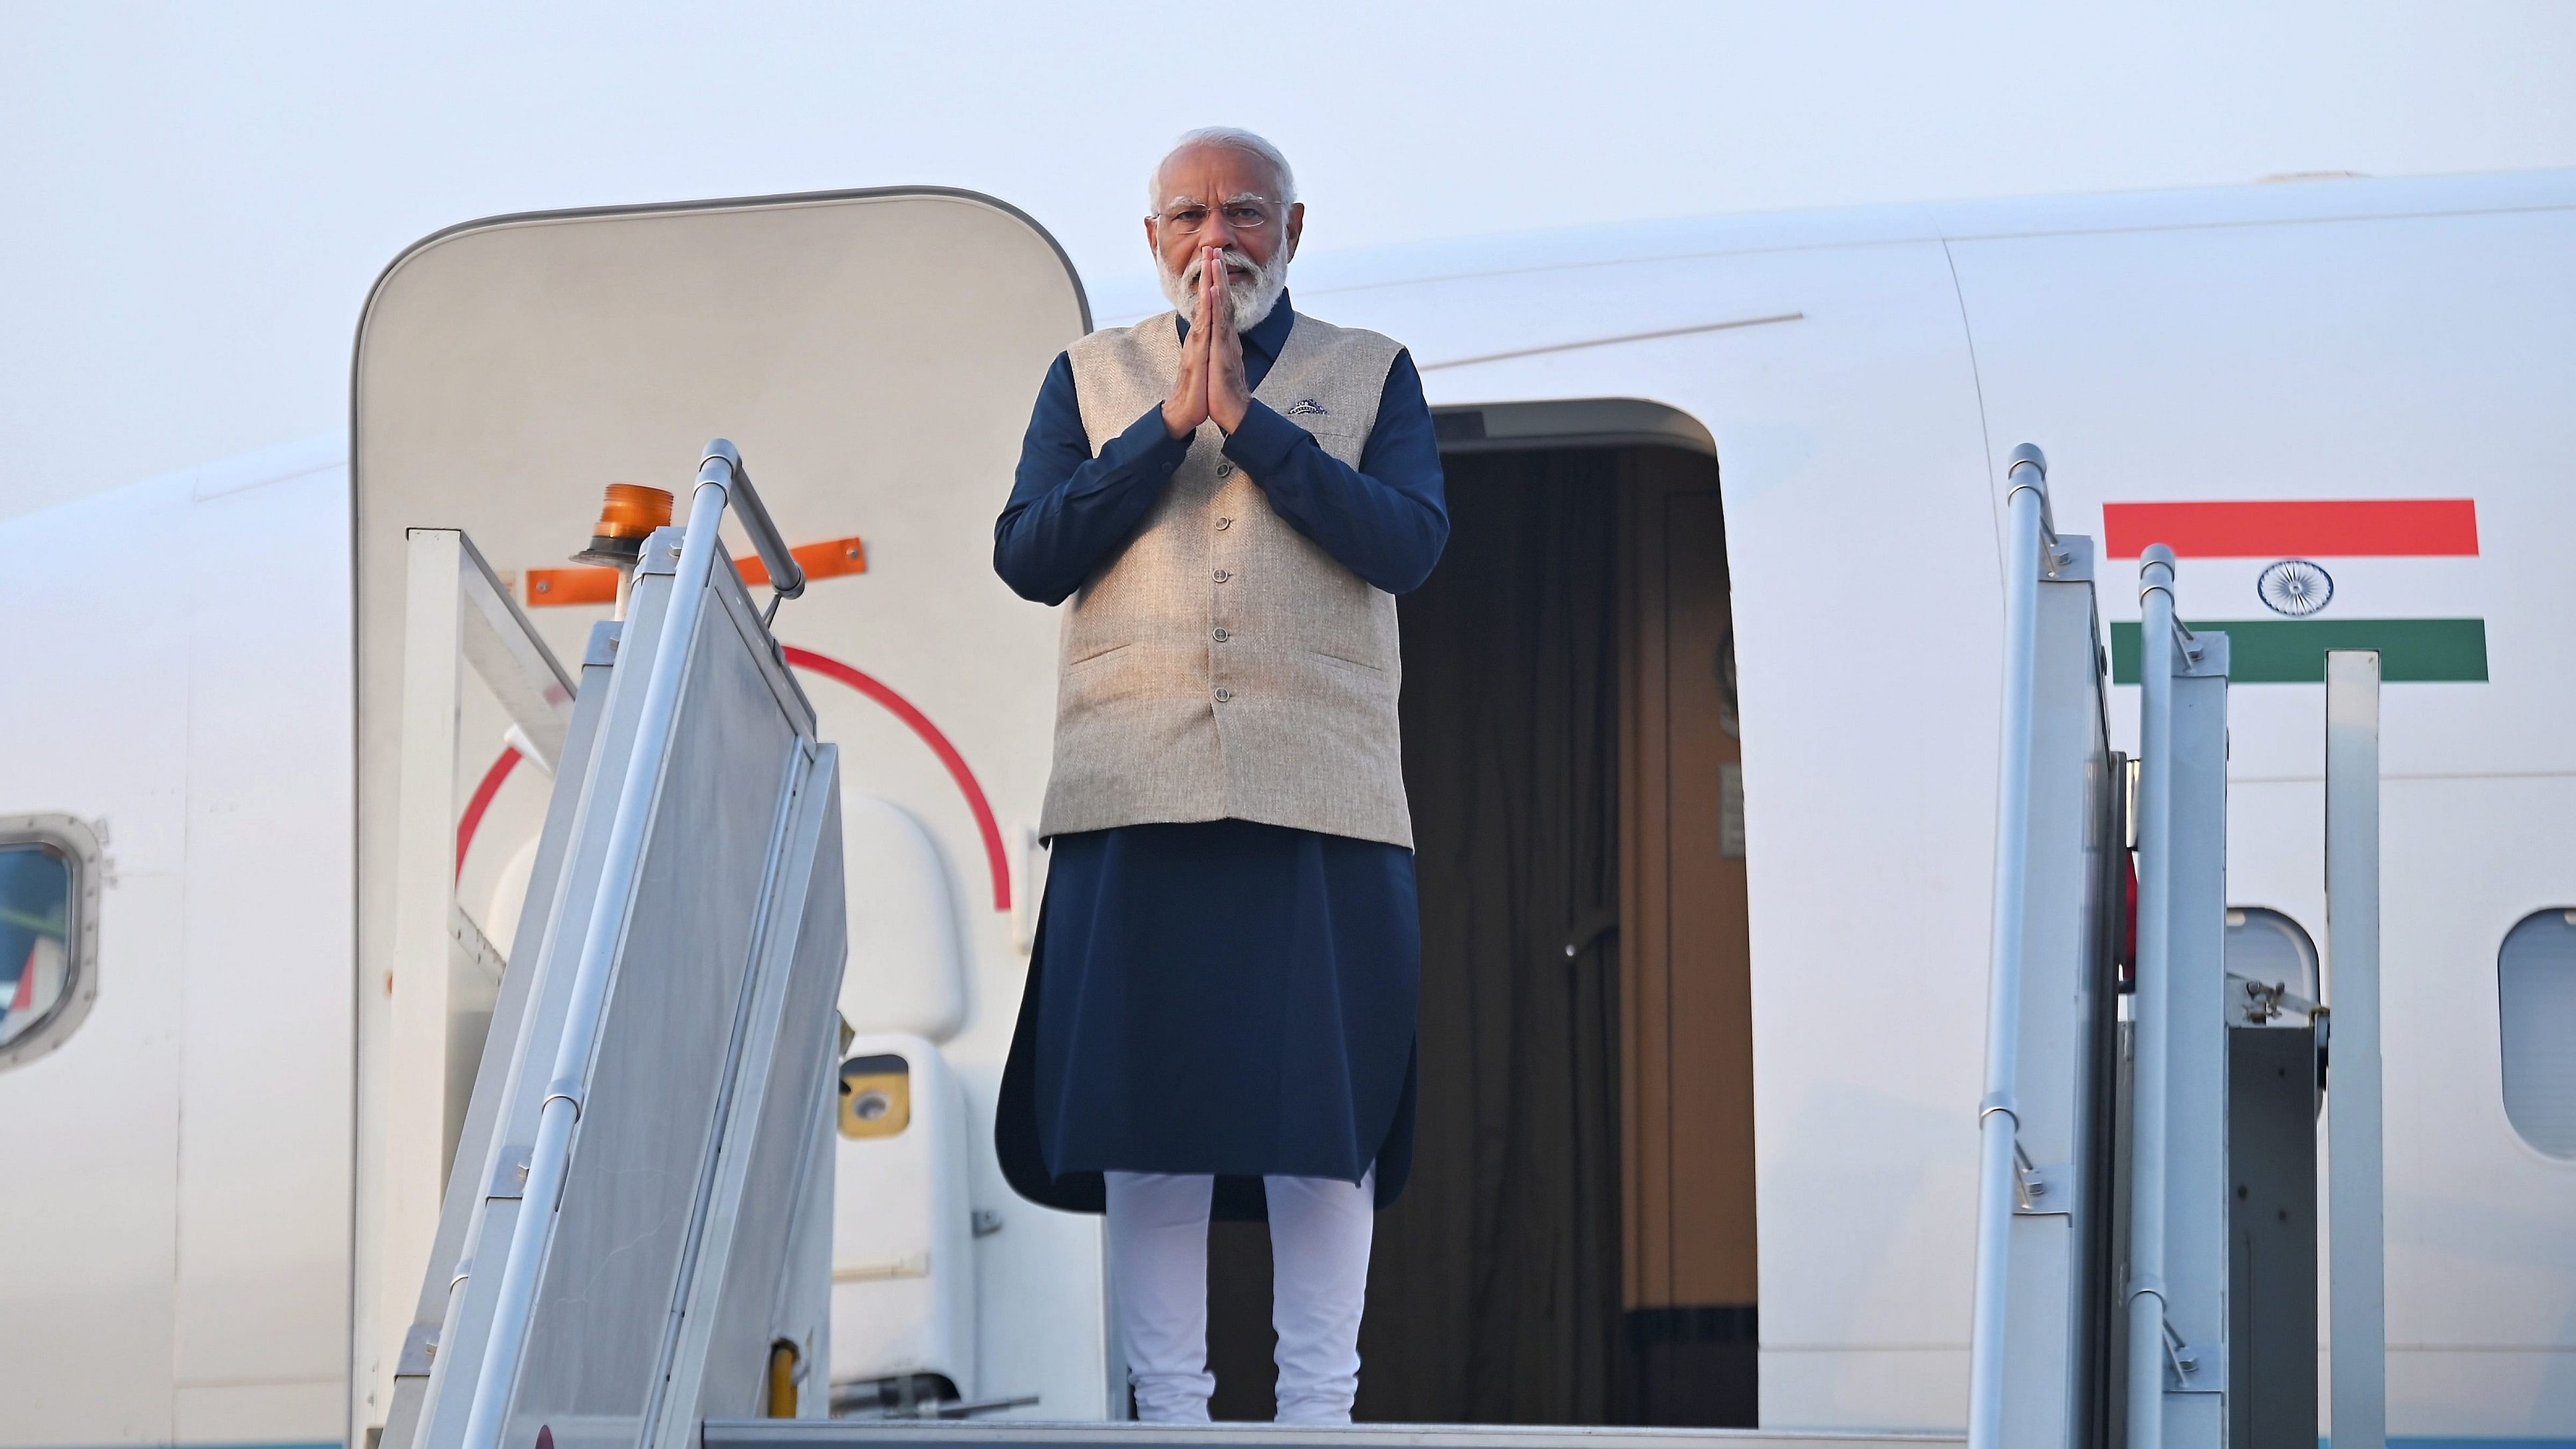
(874, 354)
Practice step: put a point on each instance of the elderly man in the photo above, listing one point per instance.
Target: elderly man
(1220, 1009)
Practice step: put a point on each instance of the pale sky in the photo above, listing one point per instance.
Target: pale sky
(197, 197)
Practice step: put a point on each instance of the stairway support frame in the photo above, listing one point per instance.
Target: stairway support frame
(2041, 1285)
(2178, 1244)
(2357, 1225)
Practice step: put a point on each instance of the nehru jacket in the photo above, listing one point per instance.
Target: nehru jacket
(1218, 662)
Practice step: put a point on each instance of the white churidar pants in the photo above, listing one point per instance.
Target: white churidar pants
(1319, 1252)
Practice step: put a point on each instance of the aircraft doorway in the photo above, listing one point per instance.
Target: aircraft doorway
(1576, 1245)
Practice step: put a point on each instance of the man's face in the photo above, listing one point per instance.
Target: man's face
(1226, 198)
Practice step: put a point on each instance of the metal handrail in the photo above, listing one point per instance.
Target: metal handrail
(722, 467)
(497, 1374)
(2031, 553)
(2356, 1206)
(2160, 640)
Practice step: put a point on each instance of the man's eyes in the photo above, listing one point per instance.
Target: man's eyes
(1191, 218)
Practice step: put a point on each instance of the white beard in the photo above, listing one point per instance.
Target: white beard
(1252, 296)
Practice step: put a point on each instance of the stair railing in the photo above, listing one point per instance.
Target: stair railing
(721, 480)
(2031, 554)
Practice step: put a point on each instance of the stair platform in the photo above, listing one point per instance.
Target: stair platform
(1032, 1434)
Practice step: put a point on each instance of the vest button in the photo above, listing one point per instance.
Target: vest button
(1222, 576)
(1224, 523)
(1223, 694)
(1225, 470)
(1222, 635)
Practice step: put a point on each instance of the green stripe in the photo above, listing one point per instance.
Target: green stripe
(2293, 651)
(52, 925)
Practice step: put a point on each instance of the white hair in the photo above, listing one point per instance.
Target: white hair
(1233, 138)
(1249, 299)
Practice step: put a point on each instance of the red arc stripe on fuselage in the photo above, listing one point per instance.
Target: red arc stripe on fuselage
(2324, 528)
(482, 801)
(996, 857)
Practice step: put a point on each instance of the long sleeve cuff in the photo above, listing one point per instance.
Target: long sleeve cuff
(1262, 445)
(1148, 447)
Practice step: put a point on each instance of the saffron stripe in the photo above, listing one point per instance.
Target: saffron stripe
(2326, 528)
(2293, 651)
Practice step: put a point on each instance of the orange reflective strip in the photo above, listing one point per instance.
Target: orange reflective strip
(826, 560)
(548, 587)
(829, 559)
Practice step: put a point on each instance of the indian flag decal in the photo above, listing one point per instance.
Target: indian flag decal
(2287, 581)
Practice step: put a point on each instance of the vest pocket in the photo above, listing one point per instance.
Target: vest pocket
(1104, 682)
(1353, 665)
(1342, 698)
(1096, 655)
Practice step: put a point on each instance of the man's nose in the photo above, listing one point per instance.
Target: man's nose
(1217, 233)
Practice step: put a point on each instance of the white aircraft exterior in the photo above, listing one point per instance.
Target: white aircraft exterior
(212, 1166)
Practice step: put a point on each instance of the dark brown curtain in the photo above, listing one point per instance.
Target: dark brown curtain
(1493, 1294)
(1494, 1284)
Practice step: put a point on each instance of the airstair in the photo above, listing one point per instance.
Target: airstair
(636, 1232)
(2148, 1192)
(634, 1247)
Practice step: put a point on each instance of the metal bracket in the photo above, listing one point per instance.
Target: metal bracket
(2196, 1368)
(2185, 1361)
(419, 1347)
(510, 1174)
(2045, 1190)
(2179, 1354)
(2068, 559)
(2201, 655)
(2265, 1002)
(601, 651)
(661, 551)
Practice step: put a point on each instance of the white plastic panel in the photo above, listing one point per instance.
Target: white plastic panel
(903, 1269)
(907, 972)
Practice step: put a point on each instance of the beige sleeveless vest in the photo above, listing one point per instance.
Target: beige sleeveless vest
(1223, 665)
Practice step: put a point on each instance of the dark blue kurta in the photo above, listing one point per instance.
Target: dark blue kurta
(1218, 997)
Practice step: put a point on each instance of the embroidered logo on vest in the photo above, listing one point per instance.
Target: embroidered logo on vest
(1305, 407)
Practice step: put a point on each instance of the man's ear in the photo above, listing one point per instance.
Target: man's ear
(1153, 246)
(1296, 227)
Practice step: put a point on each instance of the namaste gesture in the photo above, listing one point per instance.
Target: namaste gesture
(1209, 382)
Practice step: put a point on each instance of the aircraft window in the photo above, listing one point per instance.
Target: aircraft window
(2266, 946)
(46, 890)
(2536, 997)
